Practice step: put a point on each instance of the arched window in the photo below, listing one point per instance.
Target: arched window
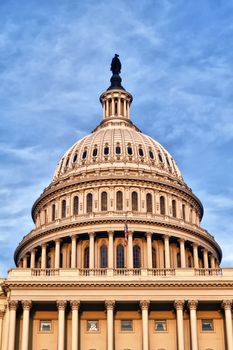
(136, 257)
(119, 200)
(183, 211)
(53, 212)
(129, 150)
(115, 105)
(75, 158)
(103, 256)
(140, 152)
(118, 150)
(162, 205)
(153, 258)
(174, 208)
(120, 256)
(84, 156)
(86, 258)
(134, 201)
(160, 158)
(104, 201)
(75, 205)
(106, 151)
(67, 161)
(95, 152)
(89, 203)
(63, 208)
(151, 154)
(149, 203)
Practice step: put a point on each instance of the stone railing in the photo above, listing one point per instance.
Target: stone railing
(208, 272)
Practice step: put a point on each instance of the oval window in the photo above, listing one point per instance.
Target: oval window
(84, 154)
(95, 152)
(129, 150)
(160, 158)
(106, 151)
(118, 150)
(168, 163)
(151, 154)
(75, 158)
(140, 152)
(67, 162)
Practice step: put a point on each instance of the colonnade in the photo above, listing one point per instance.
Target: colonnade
(110, 304)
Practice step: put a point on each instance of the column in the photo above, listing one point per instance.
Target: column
(11, 335)
(212, 262)
(26, 317)
(180, 325)
(145, 329)
(130, 250)
(205, 257)
(149, 250)
(25, 261)
(182, 253)
(57, 254)
(192, 304)
(110, 328)
(61, 305)
(226, 304)
(167, 251)
(33, 259)
(92, 250)
(195, 256)
(2, 312)
(110, 249)
(75, 307)
(73, 251)
(43, 256)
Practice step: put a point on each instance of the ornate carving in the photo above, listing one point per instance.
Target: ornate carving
(26, 304)
(61, 304)
(144, 304)
(226, 304)
(192, 304)
(13, 304)
(179, 304)
(110, 304)
(74, 304)
(2, 312)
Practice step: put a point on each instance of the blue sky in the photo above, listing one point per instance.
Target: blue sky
(177, 59)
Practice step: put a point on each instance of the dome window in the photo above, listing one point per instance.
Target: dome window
(118, 150)
(95, 152)
(151, 154)
(136, 257)
(103, 256)
(104, 201)
(119, 200)
(149, 203)
(129, 150)
(75, 158)
(120, 256)
(106, 151)
(168, 163)
(89, 203)
(63, 209)
(75, 205)
(174, 208)
(140, 152)
(84, 156)
(67, 162)
(134, 197)
(160, 158)
(162, 205)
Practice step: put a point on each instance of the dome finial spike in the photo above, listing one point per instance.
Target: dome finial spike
(116, 69)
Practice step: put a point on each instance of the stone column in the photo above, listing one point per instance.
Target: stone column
(92, 250)
(226, 304)
(25, 261)
(167, 251)
(212, 262)
(182, 253)
(195, 256)
(110, 324)
(145, 329)
(110, 249)
(130, 250)
(73, 252)
(192, 304)
(75, 333)
(61, 305)
(32, 259)
(2, 312)
(180, 323)
(205, 257)
(43, 256)
(57, 254)
(149, 250)
(11, 335)
(26, 318)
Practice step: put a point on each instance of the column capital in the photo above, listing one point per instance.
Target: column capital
(61, 304)
(192, 304)
(75, 304)
(179, 304)
(149, 234)
(91, 234)
(109, 304)
(2, 313)
(226, 304)
(130, 233)
(34, 250)
(195, 245)
(26, 304)
(57, 240)
(13, 304)
(181, 240)
(166, 236)
(74, 236)
(144, 304)
(110, 232)
(44, 245)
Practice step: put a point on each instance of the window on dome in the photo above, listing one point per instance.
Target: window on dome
(75, 205)
(154, 258)
(118, 150)
(136, 257)
(119, 200)
(120, 256)
(129, 150)
(67, 162)
(63, 209)
(86, 258)
(149, 203)
(106, 151)
(168, 163)
(122, 106)
(174, 208)
(151, 154)
(95, 152)
(104, 201)
(89, 203)
(160, 158)
(75, 158)
(183, 211)
(140, 152)
(53, 212)
(103, 256)
(115, 105)
(162, 205)
(84, 156)
(134, 201)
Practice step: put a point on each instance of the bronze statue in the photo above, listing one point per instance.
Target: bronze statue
(116, 65)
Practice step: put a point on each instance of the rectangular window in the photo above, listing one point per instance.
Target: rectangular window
(92, 326)
(126, 325)
(46, 326)
(160, 325)
(207, 325)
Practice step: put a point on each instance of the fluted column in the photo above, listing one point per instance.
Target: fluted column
(73, 251)
(182, 254)
(205, 257)
(226, 304)
(195, 256)
(13, 304)
(26, 317)
(149, 250)
(2, 312)
(43, 256)
(33, 259)
(179, 304)
(92, 250)
(145, 329)
(57, 253)
(110, 324)
(212, 262)
(75, 333)
(25, 261)
(110, 249)
(130, 250)
(167, 251)
(61, 305)
(192, 304)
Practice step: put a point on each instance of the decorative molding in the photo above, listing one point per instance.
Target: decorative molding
(26, 304)
(179, 304)
(13, 304)
(144, 304)
(75, 304)
(227, 304)
(109, 304)
(192, 304)
(61, 304)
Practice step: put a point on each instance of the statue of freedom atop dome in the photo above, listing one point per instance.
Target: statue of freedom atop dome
(116, 65)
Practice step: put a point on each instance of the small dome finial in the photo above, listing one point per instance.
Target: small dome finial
(116, 69)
